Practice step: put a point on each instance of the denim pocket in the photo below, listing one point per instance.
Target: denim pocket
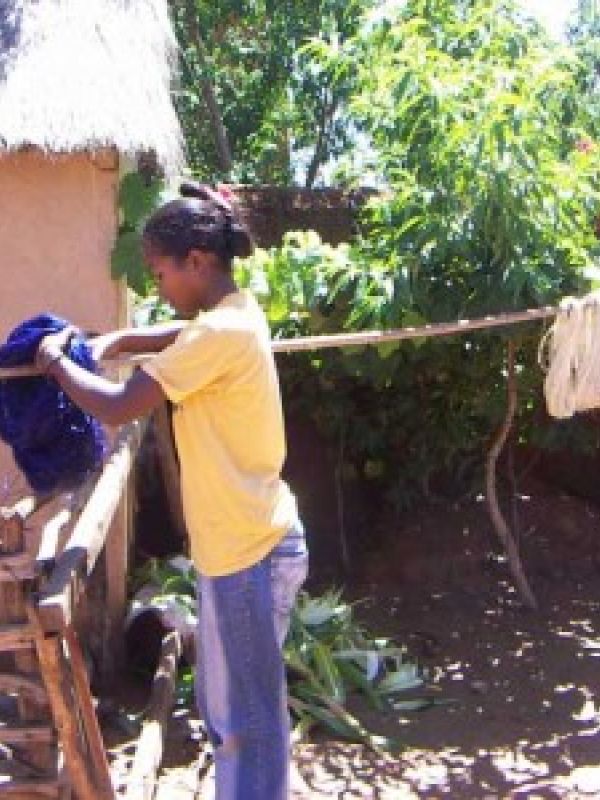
(289, 569)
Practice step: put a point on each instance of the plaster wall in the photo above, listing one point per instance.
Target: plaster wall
(57, 227)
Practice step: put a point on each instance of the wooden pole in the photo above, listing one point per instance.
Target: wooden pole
(34, 789)
(361, 338)
(435, 329)
(64, 711)
(94, 521)
(169, 468)
(57, 600)
(115, 559)
(13, 610)
(141, 783)
(88, 714)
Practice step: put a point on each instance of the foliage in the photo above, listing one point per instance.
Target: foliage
(476, 119)
(488, 201)
(138, 197)
(274, 100)
(409, 418)
(585, 20)
(296, 284)
(584, 34)
(329, 656)
(483, 136)
(174, 577)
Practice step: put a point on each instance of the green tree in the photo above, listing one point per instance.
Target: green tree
(586, 19)
(250, 100)
(584, 34)
(475, 121)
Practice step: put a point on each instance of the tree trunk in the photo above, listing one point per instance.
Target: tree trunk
(207, 90)
(500, 525)
(327, 112)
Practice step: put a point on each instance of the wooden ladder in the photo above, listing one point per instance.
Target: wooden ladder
(49, 733)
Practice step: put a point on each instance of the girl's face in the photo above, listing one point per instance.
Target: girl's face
(181, 282)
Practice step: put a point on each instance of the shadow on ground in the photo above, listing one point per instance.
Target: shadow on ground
(524, 720)
(523, 713)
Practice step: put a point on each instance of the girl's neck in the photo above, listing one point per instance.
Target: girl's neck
(222, 285)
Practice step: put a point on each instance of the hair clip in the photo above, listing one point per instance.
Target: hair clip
(204, 192)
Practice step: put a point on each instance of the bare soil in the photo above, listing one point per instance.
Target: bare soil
(521, 717)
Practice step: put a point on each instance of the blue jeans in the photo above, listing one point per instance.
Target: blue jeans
(241, 690)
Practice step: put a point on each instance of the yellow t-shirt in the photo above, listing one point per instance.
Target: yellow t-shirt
(228, 423)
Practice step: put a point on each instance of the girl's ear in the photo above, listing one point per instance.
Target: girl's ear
(201, 259)
(196, 260)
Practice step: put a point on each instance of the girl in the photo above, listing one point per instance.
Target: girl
(217, 369)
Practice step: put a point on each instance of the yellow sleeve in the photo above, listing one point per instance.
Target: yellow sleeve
(200, 356)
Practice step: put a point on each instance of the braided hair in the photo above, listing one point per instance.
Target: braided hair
(201, 219)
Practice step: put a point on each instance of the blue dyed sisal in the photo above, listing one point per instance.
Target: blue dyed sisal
(55, 444)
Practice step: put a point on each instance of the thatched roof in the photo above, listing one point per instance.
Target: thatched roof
(88, 74)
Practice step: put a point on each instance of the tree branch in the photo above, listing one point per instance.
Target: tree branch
(219, 131)
(500, 524)
(327, 111)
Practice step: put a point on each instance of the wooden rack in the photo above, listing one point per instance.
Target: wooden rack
(52, 734)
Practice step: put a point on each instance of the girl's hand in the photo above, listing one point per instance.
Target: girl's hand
(53, 346)
(106, 345)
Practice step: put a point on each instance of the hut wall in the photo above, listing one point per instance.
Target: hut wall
(58, 219)
(57, 227)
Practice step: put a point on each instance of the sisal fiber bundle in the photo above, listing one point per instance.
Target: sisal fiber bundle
(570, 356)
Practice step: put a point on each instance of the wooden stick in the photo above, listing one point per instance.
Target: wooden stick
(32, 686)
(90, 531)
(499, 522)
(361, 338)
(141, 782)
(27, 734)
(115, 566)
(64, 712)
(33, 709)
(88, 713)
(57, 600)
(434, 329)
(31, 371)
(30, 788)
(16, 636)
(50, 539)
(169, 468)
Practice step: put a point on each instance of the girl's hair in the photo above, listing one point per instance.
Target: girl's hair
(201, 219)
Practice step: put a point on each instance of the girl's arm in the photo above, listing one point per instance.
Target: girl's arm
(147, 339)
(110, 402)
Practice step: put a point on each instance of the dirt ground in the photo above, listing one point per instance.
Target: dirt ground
(523, 713)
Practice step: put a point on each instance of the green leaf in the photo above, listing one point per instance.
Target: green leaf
(419, 704)
(400, 680)
(358, 680)
(340, 726)
(126, 261)
(386, 349)
(315, 611)
(137, 198)
(328, 672)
